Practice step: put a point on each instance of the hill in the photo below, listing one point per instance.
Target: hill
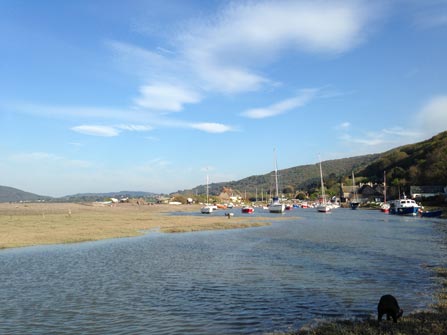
(305, 177)
(10, 194)
(423, 163)
(101, 196)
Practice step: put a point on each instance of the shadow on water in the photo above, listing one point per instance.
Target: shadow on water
(303, 267)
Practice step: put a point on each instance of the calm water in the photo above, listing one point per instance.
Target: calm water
(247, 281)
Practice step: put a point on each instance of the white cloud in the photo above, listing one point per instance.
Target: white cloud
(281, 107)
(133, 127)
(211, 127)
(109, 131)
(227, 52)
(249, 34)
(166, 97)
(432, 118)
(104, 131)
(344, 126)
(77, 112)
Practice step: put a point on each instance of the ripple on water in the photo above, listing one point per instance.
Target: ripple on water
(228, 282)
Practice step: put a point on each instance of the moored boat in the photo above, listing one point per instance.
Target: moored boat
(207, 209)
(385, 208)
(404, 207)
(276, 206)
(430, 214)
(323, 206)
(247, 209)
(354, 205)
(354, 202)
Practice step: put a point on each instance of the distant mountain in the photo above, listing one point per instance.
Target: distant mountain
(10, 194)
(102, 196)
(301, 177)
(423, 163)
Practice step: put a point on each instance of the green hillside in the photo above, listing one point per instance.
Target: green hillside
(10, 194)
(303, 178)
(423, 163)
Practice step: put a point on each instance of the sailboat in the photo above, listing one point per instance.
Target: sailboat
(354, 203)
(207, 209)
(276, 206)
(385, 207)
(323, 206)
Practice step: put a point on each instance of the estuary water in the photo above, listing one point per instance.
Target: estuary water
(305, 267)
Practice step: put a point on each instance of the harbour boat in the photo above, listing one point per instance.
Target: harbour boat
(248, 210)
(404, 207)
(354, 203)
(207, 209)
(323, 206)
(430, 214)
(385, 208)
(276, 206)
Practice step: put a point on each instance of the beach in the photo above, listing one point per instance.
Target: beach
(27, 224)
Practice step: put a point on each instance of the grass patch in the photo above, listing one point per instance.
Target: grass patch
(431, 322)
(36, 224)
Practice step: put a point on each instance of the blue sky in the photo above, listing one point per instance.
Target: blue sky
(99, 96)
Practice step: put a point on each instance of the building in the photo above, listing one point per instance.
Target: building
(420, 192)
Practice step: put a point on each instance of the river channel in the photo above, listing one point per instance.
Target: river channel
(305, 267)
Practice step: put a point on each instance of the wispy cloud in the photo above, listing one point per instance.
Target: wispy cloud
(228, 51)
(432, 118)
(283, 106)
(381, 139)
(343, 126)
(108, 131)
(211, 127)
(165, 97)
(103, 131)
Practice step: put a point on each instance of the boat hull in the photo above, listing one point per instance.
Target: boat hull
(247, 210)
(354, 205)
(206, 210)
(324, 208)
(431, 214)
(277, 208)
(411, 211)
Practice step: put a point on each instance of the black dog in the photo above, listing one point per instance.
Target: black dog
(388, 305)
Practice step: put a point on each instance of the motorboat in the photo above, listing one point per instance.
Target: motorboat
(404, 207)
(247, 209)
(207, 209)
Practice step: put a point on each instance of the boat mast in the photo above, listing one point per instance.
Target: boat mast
(276, 175)
(322, 185)
(384, 186)
(207, 187)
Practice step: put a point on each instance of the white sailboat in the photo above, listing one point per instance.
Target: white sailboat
(354, 202)
(207, 209)
(323, 206)
(276, 206)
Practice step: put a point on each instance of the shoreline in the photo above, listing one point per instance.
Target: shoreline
(31, 224)
(432, 321)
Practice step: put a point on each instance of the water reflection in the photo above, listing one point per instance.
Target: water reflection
(223, 282)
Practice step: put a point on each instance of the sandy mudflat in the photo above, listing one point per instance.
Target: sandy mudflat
(53, 223)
